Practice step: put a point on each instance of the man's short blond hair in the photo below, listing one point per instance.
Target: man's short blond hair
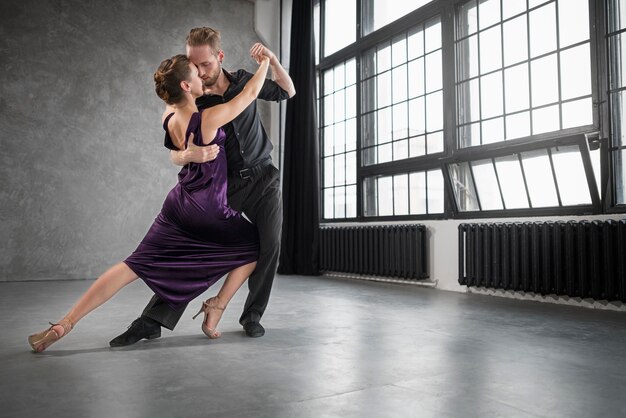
(205, 36)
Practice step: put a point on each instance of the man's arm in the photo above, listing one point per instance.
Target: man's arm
(194, 154)
(281, 77)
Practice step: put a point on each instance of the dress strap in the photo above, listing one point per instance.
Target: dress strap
(167, 119)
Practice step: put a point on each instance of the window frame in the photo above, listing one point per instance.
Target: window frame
(446, 10)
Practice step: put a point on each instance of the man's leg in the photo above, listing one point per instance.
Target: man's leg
(264, 208)
(156, 314)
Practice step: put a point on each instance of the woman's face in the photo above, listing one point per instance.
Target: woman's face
(195, 81)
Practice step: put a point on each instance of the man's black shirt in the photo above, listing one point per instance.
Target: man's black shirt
(246, 144)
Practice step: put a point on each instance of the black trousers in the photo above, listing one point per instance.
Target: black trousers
(259, 197)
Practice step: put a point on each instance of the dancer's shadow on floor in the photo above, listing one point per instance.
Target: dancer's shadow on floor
(174, 341)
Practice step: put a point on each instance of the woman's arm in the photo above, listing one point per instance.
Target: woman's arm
(217, 116)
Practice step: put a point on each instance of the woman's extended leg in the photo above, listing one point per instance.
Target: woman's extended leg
(107, 285)
(213, 308)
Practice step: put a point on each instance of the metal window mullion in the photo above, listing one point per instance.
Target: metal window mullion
(480, 73)
(502, 69)
(495, 170)
(521, 165)
(556, 183)
(558, 69)
(530, 88)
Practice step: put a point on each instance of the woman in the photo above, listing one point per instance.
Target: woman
(197, 237)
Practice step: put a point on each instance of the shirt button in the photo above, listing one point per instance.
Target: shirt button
(242, 151)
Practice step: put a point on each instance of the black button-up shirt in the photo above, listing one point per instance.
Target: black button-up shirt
(246, 144)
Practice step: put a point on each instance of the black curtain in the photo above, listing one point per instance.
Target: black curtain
(300, 240)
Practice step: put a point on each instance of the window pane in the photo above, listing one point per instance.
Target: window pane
(329, 171)
(368, 94)
(383, 89)
(516, 88)
(383, 58)
(399, 84)
(350, 134)
(518, 125)
(463, 186)
(351, 202)
(351, 168)
(435, 191)
(432, 35)
(416, 78)
(329, 110)
(340, 137)
(384, 125)
(539, 179)
(398, 50)
(385, 153)
(487, 185)
(329, 203)
(328, 81)
(573, 21)
(400, 150)
(340, 77)
(515, 40)
(577, 113)
(491, 95)
(488, 13)
(417, 184)
(350, 102)
(546, 119)
(469, 99)
(385, 196)
(400, 121)
(493, 130)
(490, 50)
(417, 146)
(469, 135)
(570, 175)
(512, 8)
(434, 111)
(434, 73)
(351, 72)
(401, 194)
(340, 170)
(417, 117)
(369, 129)
(378, 13)
(415, 43)
(339, 25)
(467, 58)
(575, 72)
(542, 30)
(435, 142)
(511, 182)
(340, 105)
(340, 202)
(329, 140)
(544, 80)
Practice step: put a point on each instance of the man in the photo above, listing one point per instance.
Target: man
(253, 182)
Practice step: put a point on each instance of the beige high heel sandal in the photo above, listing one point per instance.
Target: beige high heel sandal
(211, 303)
(44, 339)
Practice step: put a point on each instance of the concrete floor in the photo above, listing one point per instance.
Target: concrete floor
(333, 348)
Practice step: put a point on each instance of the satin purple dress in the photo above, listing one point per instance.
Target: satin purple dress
(197, 238)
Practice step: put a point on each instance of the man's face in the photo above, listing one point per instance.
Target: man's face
(209, 63)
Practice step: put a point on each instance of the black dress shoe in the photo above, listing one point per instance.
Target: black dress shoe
(254, 329)
(141, 328)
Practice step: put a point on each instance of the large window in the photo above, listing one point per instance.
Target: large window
(456, 108)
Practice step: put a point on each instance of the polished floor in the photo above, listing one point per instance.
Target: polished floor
(333, 348)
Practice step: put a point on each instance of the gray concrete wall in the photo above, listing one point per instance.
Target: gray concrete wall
(83, 171)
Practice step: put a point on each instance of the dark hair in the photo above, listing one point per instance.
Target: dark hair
(168, 76)
(205, 36)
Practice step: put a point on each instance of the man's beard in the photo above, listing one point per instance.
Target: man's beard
(210, 82)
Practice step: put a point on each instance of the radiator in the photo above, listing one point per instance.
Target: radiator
(390, 250)
(578, 259)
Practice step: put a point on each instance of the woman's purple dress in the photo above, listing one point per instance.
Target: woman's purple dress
(197, 238)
